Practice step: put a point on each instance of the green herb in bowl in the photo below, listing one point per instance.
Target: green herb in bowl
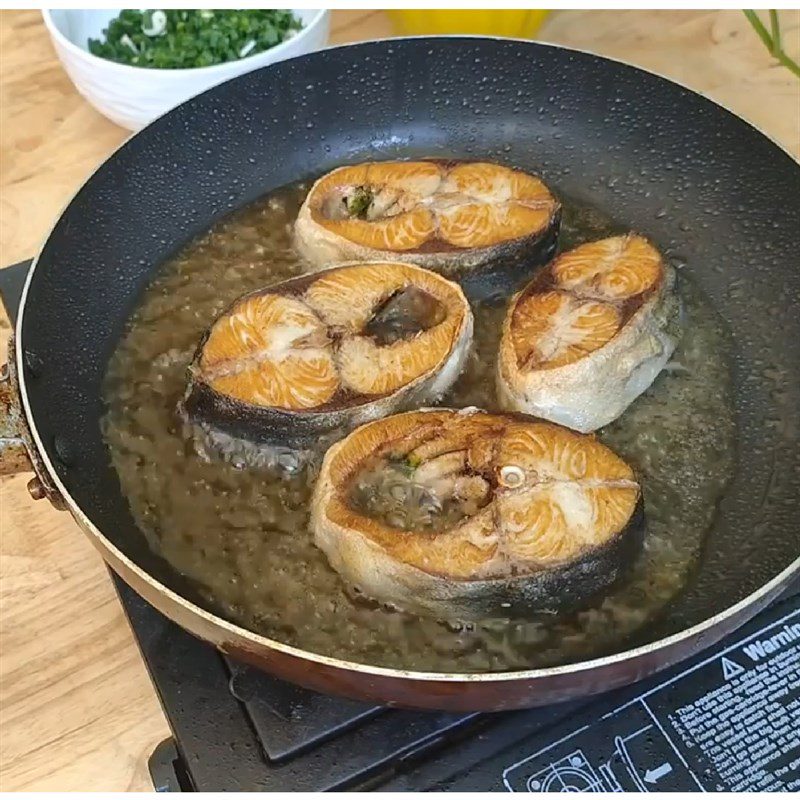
(188, 39)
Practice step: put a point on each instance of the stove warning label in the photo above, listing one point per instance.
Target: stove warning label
(729, 723)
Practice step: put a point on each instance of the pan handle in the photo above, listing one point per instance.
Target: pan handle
(17, 451)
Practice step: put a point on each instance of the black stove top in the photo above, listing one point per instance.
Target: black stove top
(235, 728)
(728, 719)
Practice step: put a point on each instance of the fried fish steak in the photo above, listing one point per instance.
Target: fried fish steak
(589, 333)
(327, 351)
(478, 222)
(465, 515)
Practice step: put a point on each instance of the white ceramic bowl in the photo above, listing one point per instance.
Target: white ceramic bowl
(134, 96)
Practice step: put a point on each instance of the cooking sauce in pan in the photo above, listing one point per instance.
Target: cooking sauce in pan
(242, 535)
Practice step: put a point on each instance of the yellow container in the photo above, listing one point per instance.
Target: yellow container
(522, 24)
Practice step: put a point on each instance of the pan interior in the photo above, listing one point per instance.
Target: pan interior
(716, 196)
(242, 535)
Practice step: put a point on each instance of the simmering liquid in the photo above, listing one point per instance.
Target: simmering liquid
(241, 535)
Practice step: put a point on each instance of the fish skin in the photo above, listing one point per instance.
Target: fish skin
(568, 588)
(594, 390)
(468, 576)
(203, 406)
(482, 270)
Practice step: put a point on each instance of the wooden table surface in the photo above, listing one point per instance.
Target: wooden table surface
(77, 710)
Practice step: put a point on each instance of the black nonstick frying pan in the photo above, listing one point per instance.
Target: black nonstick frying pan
(708, 188)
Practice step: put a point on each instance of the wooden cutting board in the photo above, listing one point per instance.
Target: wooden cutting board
(76, 706)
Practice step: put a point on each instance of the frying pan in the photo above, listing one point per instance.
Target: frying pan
(713, 192)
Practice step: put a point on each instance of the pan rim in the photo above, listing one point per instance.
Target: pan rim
(259, 641)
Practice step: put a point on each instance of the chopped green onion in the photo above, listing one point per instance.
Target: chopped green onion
(178, 39)
(128, 42)
(359, 202)
(154, 23)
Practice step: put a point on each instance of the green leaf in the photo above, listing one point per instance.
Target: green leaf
(775, 30)
(759, 28)
(772, 40)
